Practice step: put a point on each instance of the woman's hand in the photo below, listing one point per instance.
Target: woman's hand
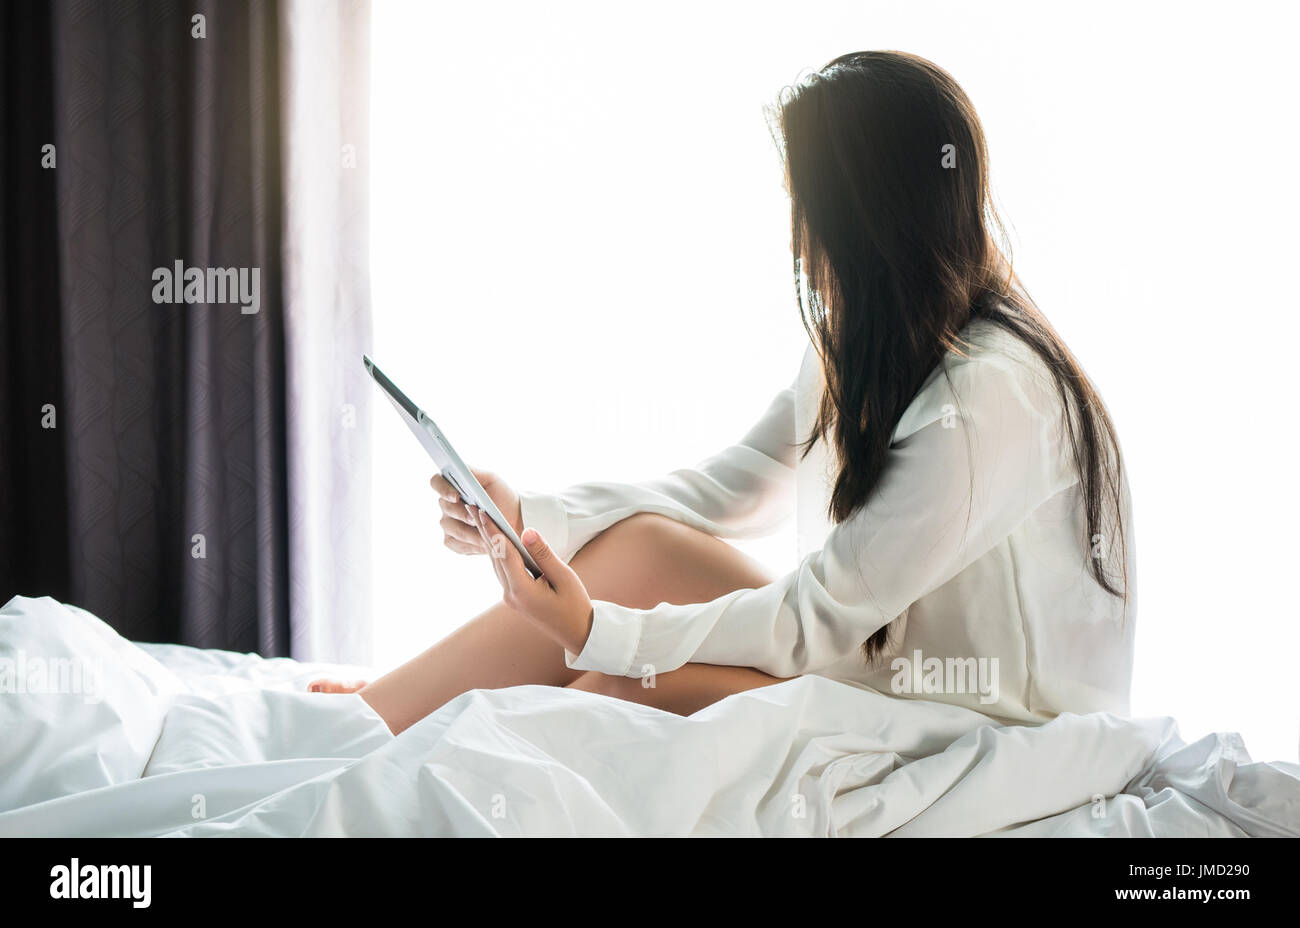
(556, 602)
(459, 529)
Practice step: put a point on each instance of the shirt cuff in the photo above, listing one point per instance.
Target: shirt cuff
(547, 516)
(612, 643)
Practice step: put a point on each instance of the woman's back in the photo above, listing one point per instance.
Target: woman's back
(1025, 631)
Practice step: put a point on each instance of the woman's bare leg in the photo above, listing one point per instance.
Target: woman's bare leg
(639, 562)
(684, 691)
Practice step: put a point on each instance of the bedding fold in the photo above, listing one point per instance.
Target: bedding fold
(183, 742)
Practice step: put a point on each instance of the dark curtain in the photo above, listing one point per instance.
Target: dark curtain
(136, 436)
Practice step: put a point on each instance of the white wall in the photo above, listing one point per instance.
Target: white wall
(588, 182)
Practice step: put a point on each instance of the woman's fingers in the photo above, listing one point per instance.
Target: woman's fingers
(557, 573)
(452, 505)
(459, 529)
(515, 578)
(460, 547)
(489, 547)
(454, 509)
(457, 510)
(557, 600)
(463, 532)
(518, 575)
(443, 488)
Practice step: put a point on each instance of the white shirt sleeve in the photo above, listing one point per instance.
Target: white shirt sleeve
(745, 491)
(982, 449)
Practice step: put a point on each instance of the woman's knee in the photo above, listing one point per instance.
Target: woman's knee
(638, 532)
(647, 559)
(628, 562)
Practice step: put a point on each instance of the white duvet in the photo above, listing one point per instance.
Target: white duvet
(99, 736)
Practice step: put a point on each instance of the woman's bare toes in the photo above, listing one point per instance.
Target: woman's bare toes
(334, 686)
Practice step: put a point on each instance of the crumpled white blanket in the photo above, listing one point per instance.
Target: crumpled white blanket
(168, 740)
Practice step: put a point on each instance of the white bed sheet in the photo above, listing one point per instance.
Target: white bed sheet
(178, 741)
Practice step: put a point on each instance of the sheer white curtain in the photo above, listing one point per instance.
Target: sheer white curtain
(325, 99)
(562, 189)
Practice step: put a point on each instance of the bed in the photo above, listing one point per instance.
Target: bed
(105, 737)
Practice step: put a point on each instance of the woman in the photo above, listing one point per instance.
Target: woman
(958, 481)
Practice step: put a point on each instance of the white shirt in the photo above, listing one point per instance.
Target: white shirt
(974, 539)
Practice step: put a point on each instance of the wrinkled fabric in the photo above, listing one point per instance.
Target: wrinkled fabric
(228, 744)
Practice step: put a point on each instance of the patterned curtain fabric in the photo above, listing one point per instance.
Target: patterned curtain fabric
(162, 369)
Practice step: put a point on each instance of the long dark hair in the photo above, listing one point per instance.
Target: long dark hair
(892, 230)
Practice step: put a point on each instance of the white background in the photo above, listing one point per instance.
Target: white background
(592, 191)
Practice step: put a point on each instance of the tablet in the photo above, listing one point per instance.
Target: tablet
(450, 465)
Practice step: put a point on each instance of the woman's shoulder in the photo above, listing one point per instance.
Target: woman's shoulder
(989, 367)
(988, 342)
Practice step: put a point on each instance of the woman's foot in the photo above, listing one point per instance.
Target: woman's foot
(334, 686)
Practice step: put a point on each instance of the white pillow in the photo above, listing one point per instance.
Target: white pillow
(80, 706)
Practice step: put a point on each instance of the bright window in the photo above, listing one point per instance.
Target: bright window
(591, 189)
